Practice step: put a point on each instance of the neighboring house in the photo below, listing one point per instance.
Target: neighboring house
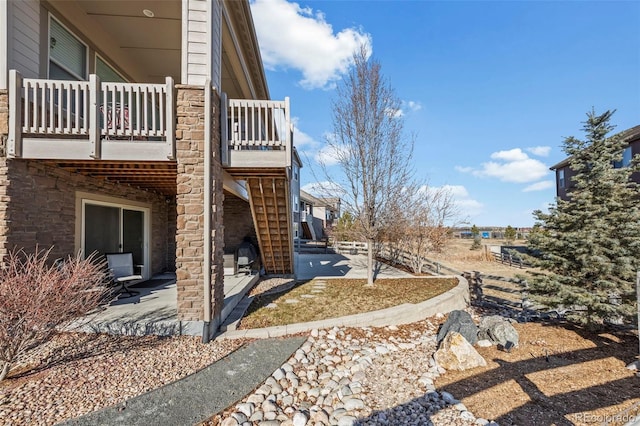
(564, 173)
(144, 126)
(317, 215)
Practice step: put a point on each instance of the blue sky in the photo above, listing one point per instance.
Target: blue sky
(489, 88)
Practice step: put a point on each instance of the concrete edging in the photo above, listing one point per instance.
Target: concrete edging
(456, 298)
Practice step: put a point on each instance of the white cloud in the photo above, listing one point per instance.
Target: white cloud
(462, 169)
(540, 151)
(468, 207)
(324, 189)
(412, 105)
(515, 154)
(330, 155)
(291, 36)
(462, 197)
(512, 166)
(301, 140)
(407, 106)
(394, 113)
(540, 186)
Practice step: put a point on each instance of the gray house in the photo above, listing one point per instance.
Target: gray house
(564, 173)
(146, 127)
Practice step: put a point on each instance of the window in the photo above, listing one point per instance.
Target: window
(106, 72)
(561, 182)
(108, 226)
(626, 159)
(67, 54)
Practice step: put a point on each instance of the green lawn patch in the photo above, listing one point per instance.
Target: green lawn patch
(340, 297)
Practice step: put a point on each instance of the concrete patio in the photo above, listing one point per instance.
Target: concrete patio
(154, 309)
(334, 265)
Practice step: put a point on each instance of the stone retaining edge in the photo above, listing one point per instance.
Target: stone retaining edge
(456, 298)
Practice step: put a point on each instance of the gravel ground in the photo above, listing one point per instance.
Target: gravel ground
(355, 376)
(381, 376)
(77, 373)
(271, 285)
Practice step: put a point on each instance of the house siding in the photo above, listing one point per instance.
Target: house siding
(24, 30)
(4, 120)
(39, 209)
(563, 193)
(203, 50)
(190, 211)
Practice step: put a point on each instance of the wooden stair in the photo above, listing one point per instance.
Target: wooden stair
(270, 206)
(307, 231)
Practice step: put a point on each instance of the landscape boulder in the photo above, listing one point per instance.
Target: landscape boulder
(455, 353)
(499, 331)
(460, 322)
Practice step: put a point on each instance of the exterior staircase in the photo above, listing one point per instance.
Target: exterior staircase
(257, 147)
(270, 206)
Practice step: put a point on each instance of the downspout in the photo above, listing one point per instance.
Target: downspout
(206, 332)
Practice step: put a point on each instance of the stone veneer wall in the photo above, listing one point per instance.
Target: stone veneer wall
(190, 237)
(39, 208)
(238, 222)
(171, 234)
(38, 204)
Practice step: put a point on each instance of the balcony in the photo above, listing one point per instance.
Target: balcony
(257, 137)
(90, 120)
(85, 120)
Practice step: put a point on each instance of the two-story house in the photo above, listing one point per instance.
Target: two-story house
(317, 215)
(147, 127)
(564, 173)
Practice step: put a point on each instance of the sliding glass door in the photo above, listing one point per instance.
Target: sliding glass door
(111, 228)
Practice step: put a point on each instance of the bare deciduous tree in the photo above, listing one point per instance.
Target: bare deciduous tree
(369, 146)
(36, 299)
(422, 220)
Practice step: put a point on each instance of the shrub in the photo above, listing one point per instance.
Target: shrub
(37, 299)
(476, 245)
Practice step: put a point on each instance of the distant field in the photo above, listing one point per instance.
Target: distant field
(458, 255)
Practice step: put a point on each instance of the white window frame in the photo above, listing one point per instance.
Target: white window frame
(82, 199)
(49, 58)
(561, 179)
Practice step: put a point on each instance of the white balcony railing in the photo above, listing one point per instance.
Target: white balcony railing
(90, 119)
(256, 133)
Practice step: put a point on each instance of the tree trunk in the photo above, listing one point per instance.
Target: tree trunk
(370, 263)
(5, 370)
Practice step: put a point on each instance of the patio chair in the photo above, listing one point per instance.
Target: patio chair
(121, 269)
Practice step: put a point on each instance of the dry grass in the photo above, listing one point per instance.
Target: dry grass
(458, 255)
(340, 297)
(560, 374)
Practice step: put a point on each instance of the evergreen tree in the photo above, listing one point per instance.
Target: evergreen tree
(475, 232)
(344, 229)
(509, 234)
(590, 243)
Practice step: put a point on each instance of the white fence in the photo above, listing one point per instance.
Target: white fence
(352, 247)
(258, 124)
(41, 108)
